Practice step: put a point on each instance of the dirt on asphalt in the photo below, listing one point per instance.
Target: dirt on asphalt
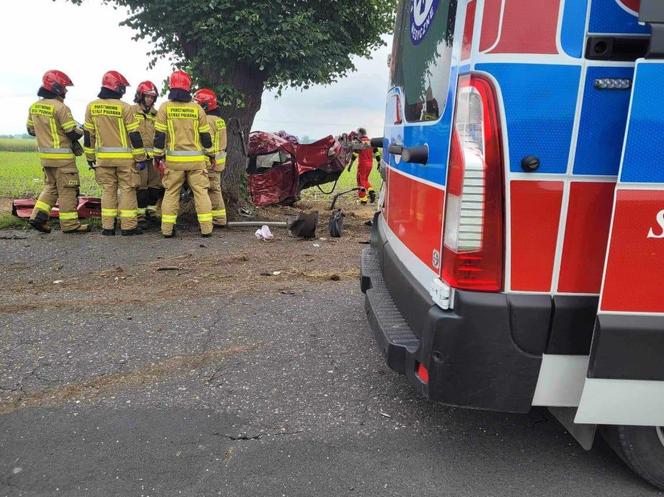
(207, 266)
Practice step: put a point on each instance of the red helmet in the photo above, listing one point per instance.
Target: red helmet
(207, 99)
(179, 80)
(56, 81)
(115, 81)
(145, 88)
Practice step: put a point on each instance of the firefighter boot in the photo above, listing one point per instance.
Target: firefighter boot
(372, 196)
(40, 222)
(132, 232)
(81, 228)
(362, 193)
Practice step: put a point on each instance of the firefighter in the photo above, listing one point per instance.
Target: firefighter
(183, 139)
(150, 190)
(365, 157)
(114, 149)
(208, 100)
(51, 121)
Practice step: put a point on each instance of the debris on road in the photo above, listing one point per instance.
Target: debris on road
(264, 233)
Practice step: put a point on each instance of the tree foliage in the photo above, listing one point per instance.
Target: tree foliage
(281, 42)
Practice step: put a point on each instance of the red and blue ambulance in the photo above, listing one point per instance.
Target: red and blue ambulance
(518, 256)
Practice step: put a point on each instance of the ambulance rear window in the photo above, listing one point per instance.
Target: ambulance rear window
(421, 56)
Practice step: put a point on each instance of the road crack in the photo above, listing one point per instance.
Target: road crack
(259, 436)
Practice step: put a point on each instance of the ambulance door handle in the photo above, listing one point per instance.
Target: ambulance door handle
(395, 149)
(377, 142)
(416, 155)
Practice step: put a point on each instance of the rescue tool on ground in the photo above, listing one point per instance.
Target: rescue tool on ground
(517, 260)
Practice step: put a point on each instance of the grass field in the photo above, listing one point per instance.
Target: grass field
(18, 145)
(21, 176)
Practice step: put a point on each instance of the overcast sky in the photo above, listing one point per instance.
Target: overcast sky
(86, 41)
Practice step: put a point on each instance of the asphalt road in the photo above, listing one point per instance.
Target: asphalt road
(271, 392)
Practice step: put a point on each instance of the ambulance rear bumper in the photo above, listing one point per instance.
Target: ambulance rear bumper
(470, 353)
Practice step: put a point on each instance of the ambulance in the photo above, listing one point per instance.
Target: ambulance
(518, 256)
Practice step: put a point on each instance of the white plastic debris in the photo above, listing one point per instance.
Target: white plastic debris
(264, 233)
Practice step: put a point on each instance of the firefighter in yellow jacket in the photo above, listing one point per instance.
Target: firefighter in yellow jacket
(150, 190)
(114, 149)
(51, 121)
(207, 99)
(183, 138)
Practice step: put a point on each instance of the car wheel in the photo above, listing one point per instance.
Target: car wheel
(642, 449)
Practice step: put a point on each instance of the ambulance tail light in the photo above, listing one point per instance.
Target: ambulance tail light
(473, 242)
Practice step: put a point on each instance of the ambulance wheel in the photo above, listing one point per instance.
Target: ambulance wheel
(642, 449)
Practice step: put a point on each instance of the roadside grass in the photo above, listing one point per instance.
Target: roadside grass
(7, 221)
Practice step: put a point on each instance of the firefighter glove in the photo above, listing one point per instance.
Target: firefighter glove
(92, 164)
(141, 165)
(76, 148)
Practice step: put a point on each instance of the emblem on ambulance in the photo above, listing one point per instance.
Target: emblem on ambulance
(660, 221)
(631, 6)
(435, 259)
(421, 17)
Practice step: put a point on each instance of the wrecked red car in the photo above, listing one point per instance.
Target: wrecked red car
(280, 167)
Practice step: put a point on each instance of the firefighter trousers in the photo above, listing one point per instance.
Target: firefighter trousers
(150, 190)
(61, 185)
(216, 199)
(199, 184)
(363, 172)
(126, 178)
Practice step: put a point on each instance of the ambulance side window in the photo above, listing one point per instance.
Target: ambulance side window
(422, 55)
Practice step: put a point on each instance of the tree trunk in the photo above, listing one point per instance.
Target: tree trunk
(250, 83)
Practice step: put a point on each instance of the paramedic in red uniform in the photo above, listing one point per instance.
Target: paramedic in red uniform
(365, 156)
